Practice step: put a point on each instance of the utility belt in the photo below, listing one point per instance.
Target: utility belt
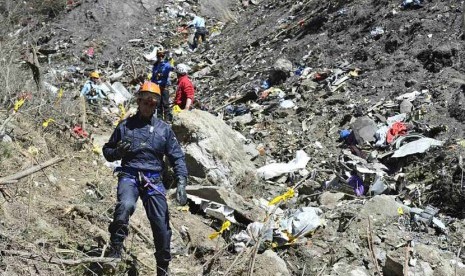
(147, 181)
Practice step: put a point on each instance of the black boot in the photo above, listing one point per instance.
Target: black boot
(162, 268)
(115, 250)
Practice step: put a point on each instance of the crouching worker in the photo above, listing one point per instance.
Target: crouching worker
(91, 89)
(141, 142)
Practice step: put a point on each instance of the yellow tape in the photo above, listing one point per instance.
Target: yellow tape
(287, 195)
(46, 122)
(19, 103)
(224, 227)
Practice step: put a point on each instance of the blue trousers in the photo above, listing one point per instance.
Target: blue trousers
(156, 209)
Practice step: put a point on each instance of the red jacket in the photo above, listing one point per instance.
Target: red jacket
(185, 91)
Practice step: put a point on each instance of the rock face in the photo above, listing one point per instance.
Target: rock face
(214, 152)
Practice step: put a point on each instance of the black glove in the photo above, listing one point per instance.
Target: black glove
(122, 148)
(181, 195)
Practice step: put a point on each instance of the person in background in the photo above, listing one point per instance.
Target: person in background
(185, 91)
(161, 76)
(91, 89)
(200, 31)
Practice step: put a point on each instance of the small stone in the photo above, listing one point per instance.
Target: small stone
(330, 199)
(406, 107)
(410, 83)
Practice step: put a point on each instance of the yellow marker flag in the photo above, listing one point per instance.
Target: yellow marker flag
(60, 93)
(97, 149)
(19, 103)
(59, 96)
(183, 208)
(123, 111)
(46, 122)
(400, 211)
(224, 227)
(287, 195)
(176, 109)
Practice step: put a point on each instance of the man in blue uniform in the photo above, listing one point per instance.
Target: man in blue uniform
(141, 142)
(161, 76)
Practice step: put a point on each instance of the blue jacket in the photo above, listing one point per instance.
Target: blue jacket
(150, 141)
(161, 73)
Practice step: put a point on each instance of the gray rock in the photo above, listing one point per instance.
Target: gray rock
(214, 151)
(243, 119)
(448, 269)
(410, 82)
(330, 199)
(269, 263)
(428, 254)
(364, 130)
(406, 106)
(6, 139)
(382, 207)
(280, 72)
(283, 64)
(251, 150)
(342, 268)
(194, 232)
(423, 268)
(307, 85)
(393, 266)
(202, 73)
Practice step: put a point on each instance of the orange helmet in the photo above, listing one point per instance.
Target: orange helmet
(151, 87)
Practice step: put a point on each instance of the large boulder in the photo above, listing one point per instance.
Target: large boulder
(214, 151)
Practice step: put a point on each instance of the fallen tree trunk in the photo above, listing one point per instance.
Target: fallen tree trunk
(18, 175)
(55, 260)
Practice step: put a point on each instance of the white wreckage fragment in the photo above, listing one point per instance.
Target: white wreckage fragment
(301, 222)
(276, 169)
(117, 92)
(295, 224)
(214, 209)
(417, 146)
